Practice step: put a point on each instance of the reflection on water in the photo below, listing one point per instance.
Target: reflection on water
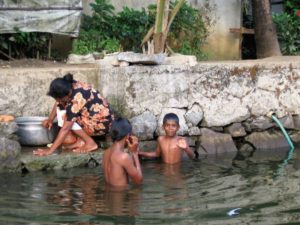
(189, 193)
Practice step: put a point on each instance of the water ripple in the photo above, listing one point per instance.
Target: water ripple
(189, 193)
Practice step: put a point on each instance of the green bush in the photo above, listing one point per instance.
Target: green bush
(111, 32)
(188, 31)
(25, 44)
(291, 6)
(110, 45)
(105, 31)
(130, 27)
(101, 20)
(88, 41)
(288, 30)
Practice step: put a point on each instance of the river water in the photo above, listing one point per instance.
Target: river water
(214, 190)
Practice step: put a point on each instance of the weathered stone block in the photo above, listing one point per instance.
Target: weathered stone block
(138, 58)
(8, 128)
(295, 136)
(287, 122)
(261, 123)
(216, 143)
(144, 125)
(236, 130)
(194, 131)
(222, 111)
(296, 122)
(9, 153)
(267, 140)
(80, 59)
(194, 115)
(261, 106)
(178, 59)
(57, 162)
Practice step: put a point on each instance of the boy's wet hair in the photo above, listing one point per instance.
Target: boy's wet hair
(171, 116)
(120, 128)
(61, 86)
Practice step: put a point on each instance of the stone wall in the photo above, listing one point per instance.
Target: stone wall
(218, 103)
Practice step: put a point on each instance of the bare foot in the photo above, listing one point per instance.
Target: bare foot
(79, 143)
(86, 148)
(70, 139)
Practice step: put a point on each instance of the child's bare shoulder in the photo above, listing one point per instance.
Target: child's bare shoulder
(161, 139)
(123, 157)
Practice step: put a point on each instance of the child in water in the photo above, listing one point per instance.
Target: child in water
(170, 146)
(117, 164)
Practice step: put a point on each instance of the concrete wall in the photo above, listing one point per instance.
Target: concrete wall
(23, 92)
(222, 45)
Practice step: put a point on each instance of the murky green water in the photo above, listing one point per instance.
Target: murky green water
(201, 192)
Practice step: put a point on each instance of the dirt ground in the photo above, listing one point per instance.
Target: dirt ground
(35, 63)
(29, 63)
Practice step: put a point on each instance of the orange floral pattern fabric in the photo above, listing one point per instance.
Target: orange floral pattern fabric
(89, 109)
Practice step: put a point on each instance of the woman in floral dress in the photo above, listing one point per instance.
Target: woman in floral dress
(81, 112)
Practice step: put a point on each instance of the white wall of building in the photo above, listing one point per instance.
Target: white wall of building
(223, 45)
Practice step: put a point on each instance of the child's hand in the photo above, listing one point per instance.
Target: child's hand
(182, 143)
(133, 144)
(47, 123)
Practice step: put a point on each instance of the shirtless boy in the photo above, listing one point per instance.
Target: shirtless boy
(170, 147)
(118, 165)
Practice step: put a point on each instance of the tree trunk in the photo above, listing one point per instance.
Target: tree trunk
(265, 32)
(161, 24)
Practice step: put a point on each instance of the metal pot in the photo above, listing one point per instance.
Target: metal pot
(31, 131)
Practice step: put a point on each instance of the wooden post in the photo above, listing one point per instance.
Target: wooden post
(241, 31)
(49, 47)
(3, 53)
(9, 49)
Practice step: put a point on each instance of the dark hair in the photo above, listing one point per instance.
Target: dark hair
(120, 128)
(61, 87)
(171, 116)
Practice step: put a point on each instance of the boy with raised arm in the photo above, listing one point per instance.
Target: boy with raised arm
(170, 147)
(118, 165)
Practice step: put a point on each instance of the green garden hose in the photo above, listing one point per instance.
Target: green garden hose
(287, 137)
(291, 150)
